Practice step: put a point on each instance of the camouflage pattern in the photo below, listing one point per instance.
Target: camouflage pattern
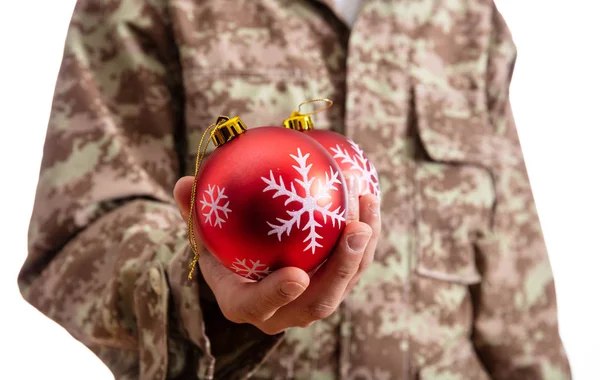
(461, 286)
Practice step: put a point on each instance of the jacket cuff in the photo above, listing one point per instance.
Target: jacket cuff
(225, 350)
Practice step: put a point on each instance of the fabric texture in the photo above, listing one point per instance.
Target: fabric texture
(460, 287)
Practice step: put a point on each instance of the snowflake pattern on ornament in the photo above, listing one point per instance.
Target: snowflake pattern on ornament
(254, 271)
(215, 208)
(309, 200)
(358, 161)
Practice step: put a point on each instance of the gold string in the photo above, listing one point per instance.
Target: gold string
(328, 101)
(191, 236)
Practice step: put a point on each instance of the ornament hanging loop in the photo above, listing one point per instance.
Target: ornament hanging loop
(202, 147)
(303, 121)
(325, 100)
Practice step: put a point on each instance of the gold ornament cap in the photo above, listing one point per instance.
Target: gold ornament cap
(226, 129)
(299, 122)
(303, 121)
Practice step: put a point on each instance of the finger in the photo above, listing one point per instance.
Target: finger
(258, 301)
(245, 301)
(328, 285)
(182, 192)
(369, 214)
(353, 209)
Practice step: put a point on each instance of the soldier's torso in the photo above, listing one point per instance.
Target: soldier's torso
(407, 80)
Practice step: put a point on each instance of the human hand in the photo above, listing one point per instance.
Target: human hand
(289, 297)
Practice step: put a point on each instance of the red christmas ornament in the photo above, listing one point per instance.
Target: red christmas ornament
(348, 155)
(267, 198)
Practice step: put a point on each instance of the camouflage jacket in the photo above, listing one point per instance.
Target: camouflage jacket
(461, 286)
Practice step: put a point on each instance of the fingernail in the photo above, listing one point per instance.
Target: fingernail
(374, 208)
(291, 289)
(358, 241)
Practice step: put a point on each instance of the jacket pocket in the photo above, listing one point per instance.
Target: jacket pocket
(459, 361)
(455, 194)
(455, 182)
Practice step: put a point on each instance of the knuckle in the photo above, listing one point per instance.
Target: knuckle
(230, 315)
(317, 311)
(364, 265)
(270, 330)
(376, 231)
(305, 324)
(345, 271)
(266, 301)
(355, 281)
(219, 281)
(250, 313)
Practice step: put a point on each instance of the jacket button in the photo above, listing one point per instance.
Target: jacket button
(155, 281)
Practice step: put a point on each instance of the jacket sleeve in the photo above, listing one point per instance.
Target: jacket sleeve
(516, 330)
(108, 253)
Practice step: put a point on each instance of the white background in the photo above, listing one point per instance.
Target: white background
(555, 99)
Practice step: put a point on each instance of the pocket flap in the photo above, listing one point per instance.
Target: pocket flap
(454, 126)
(447, 258)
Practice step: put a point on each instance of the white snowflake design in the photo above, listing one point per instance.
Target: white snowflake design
(308, 200)
(220, 212)
(358, 161)
(254, 271)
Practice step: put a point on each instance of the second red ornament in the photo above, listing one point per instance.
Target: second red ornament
(348, 155)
